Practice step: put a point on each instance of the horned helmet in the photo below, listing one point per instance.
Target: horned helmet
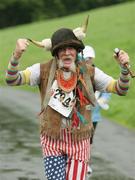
(64, 37)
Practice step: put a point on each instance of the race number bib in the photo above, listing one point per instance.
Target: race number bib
(61, 101)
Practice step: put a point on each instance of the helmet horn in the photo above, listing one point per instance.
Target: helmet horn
(37, 43)
(85, 25)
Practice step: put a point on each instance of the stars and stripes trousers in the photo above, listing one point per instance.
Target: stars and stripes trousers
(65, 159)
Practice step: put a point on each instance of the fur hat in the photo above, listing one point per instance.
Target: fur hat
(65, 37)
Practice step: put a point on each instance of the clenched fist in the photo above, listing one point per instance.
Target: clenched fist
(21, 46)
(122, 58)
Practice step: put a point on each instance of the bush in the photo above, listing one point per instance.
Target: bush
(14, 12)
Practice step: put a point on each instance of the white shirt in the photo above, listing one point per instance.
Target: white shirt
(101, 79)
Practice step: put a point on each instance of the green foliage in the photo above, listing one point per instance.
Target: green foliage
(14, 12)
(109, 28)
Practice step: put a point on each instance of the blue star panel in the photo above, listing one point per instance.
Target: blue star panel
(55, 167)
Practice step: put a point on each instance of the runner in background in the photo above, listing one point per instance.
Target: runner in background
(102, 98)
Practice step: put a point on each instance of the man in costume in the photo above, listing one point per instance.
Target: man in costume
(67, 97)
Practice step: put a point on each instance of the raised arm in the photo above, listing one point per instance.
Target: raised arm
(121, 85)
(13, 75)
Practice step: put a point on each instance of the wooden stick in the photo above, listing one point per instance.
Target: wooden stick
(132, 74)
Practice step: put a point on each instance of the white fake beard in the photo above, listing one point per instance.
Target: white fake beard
(72, 67)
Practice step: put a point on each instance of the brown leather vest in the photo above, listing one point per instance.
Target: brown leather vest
(50, 120)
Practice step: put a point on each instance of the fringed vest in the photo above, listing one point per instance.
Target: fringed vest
(51, 120)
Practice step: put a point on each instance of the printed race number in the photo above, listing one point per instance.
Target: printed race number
(61, 101)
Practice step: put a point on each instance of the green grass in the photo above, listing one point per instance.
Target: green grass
(109, 27)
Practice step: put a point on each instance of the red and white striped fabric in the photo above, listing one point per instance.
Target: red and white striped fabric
(78, 153)
(75, 150)
(76, 170)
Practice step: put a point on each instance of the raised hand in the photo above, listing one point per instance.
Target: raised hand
(121, 57)
(21, 46)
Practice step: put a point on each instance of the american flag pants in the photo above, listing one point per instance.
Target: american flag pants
(65, 159)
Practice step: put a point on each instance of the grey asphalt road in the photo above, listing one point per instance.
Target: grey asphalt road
(113, 151)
